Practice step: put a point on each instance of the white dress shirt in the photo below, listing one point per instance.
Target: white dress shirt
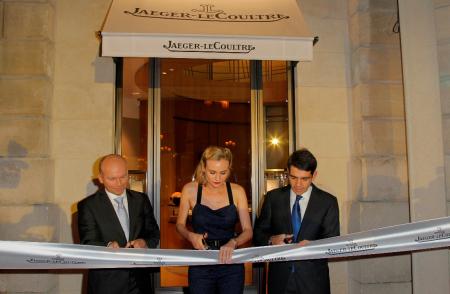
(303, 202)
(113, 196)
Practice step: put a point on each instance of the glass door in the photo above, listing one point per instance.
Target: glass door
(170, 110)
(203, 103)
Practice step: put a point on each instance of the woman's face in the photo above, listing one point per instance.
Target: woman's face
(216, 172)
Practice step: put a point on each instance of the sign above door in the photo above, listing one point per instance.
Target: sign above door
(219, 29)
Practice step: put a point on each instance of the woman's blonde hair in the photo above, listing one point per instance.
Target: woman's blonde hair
(211, 153)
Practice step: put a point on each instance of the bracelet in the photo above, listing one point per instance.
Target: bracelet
(235, 242)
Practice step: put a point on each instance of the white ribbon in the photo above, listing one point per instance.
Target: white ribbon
(407, 237)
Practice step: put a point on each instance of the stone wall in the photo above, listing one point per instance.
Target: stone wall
(27, 210)
(56, 119)
(442, 18)
(323, 109)
(82, 116)
(379, 165)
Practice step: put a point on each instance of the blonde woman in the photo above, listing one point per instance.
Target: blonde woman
(217, 206)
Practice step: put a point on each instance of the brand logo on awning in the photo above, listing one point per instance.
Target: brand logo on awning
(207, 13)
(208, 47)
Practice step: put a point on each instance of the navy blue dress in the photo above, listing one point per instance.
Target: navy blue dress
(220, 225)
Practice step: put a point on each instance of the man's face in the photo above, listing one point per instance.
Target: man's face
(114, 175)
(300, 180)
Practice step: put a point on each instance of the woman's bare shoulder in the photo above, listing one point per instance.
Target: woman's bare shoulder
(237, 189)
(190, 188)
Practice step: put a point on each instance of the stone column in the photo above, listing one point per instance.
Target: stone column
(430, 270)
(379, 167)
(323, 109)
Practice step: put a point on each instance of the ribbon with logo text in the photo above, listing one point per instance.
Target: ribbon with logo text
(424, 235)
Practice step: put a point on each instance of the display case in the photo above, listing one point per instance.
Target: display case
(274, 178)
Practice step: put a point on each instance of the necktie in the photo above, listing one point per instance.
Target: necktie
(123, 216)
(296, 217)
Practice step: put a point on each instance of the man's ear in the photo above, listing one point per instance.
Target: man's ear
(100, 178)
(314, 175)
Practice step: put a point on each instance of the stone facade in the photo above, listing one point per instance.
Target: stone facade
(442, 19)
(324, 111)
(27, 206)
(442, 16)
(379, 164)
(56, 119)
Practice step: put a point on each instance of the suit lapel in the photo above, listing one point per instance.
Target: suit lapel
(313, 205)
(132, 214)
(286, 206)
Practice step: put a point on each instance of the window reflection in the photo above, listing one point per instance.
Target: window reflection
(134, 113)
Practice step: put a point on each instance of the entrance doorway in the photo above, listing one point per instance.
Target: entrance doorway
(170, 110)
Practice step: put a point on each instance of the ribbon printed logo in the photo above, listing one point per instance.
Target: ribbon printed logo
(55, 260)
(351, 247)
(439, 234)
(207, 13)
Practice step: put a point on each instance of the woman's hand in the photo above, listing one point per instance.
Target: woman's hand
(197, 240)
(226, 251)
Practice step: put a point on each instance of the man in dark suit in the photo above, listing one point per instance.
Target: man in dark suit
(117, 217)
(297, 213)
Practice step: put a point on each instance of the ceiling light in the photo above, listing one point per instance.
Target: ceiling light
(275, 141)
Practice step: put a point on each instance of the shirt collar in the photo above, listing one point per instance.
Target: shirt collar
(113, 196)
(306, 195)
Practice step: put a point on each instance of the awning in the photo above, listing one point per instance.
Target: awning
(218, 29)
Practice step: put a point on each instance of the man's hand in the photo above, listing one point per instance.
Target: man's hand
(281, 239)
(138, 243)
(113, 244)
(303, 243)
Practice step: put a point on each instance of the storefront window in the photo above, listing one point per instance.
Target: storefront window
(133, 120)
(276, 123)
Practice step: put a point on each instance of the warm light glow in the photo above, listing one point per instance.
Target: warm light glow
(275, 141)
(230, 143)
(225, 104)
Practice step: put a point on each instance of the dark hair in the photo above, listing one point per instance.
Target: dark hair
(302, 159)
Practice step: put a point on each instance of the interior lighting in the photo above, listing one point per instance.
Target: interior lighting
(225, 104)
(275, 141)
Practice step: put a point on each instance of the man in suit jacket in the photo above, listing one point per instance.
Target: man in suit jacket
(102, 221)
(319, 220)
